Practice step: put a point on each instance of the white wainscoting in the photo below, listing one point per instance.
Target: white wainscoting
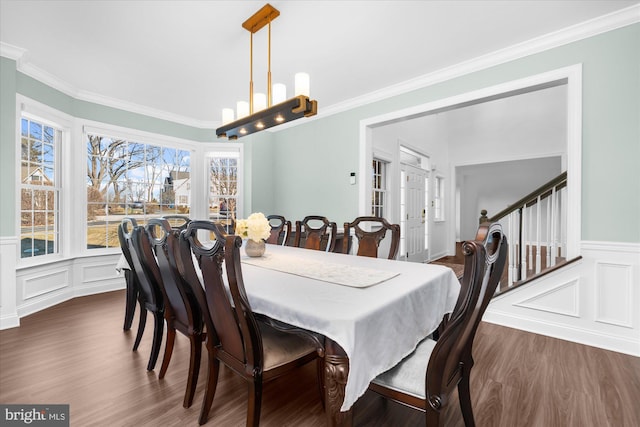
(8, 302)
(595, 301)
(43, 286)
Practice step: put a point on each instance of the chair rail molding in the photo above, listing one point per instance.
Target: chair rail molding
(593, 301)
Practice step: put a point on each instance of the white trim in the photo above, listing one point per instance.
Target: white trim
(12, 52)
(8, 303)
(131, 134)
(590, 28)
(580, 31)
(573, 77)
(34, 110)
(613, 325)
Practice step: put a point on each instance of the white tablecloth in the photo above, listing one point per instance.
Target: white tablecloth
(377, 326)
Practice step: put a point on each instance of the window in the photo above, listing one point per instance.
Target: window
(39, 189)
(223, 186)
(438, 199)
(379, 188)
(134, 179)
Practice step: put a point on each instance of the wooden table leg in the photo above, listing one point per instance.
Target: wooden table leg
(336, 371)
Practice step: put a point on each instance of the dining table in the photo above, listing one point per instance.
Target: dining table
(372, 312)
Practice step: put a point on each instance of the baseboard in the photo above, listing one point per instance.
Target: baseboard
(564, 332)
(8, 322)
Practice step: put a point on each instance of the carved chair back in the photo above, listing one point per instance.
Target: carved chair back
(280, 230)
(369, 241)
(181, 304)
(451, 358)
(315, 237)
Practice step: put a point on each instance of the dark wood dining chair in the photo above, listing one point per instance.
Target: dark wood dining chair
(182, 310)
(150, 292)
(280, 230)
(131, 296)
(321, 237)
(253, 349)
(426, 378)
(369, 241)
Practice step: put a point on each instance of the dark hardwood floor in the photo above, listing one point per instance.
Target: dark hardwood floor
(77, 353)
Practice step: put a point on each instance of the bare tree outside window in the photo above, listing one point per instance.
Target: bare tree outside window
(131, 178)
(223, 189)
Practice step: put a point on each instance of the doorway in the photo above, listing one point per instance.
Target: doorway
(403, 124)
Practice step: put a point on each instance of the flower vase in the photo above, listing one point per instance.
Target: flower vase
(253, 248)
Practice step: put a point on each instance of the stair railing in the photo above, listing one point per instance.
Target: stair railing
(539, 222)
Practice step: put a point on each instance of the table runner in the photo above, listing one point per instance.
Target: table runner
(341, 274)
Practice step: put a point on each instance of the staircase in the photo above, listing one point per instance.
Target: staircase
(536, 228)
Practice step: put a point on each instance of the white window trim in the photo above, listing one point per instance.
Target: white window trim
(34, 110)
(211, 150)
(111, 131)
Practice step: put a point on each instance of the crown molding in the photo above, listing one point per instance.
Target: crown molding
(12, 52)
(144, 110)
(590, 28)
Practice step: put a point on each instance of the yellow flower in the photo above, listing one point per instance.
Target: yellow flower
(256, 227)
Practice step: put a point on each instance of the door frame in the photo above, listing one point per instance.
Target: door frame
(571, 76)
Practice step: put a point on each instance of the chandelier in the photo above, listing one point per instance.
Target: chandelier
(272, 109)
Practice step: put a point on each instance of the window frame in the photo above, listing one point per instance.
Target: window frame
(214, 150)
(47, 116)
(384, 192)
(130, 135)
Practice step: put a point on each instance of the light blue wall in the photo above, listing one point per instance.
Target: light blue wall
(313, 160)
(7, 146)
(34, 89)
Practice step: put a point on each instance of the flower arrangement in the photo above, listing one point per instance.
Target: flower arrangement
(256, 227)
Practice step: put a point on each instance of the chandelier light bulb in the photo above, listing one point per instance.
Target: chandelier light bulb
(242, 109)
(302, 84)
(259, 101)
(279, 93)
(227, 115)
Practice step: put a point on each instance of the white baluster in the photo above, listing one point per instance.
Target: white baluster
(548, 218)
(523, 247)
(538, 234)
(554, 218)
(512, 250)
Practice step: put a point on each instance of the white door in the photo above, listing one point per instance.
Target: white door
(413, 244)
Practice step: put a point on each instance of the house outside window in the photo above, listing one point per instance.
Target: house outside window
(379, 188)
(39, 188)
(128, 178)
(223, 187)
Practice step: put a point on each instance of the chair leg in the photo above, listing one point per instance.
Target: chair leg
(157, 339)
(255, 402)
(464, 396)
(168, 351)
(320, 369)
(213, 367)
(194, 369)
(141, 323)
(130, 300)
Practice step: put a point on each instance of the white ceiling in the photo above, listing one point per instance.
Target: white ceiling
(190, 59)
